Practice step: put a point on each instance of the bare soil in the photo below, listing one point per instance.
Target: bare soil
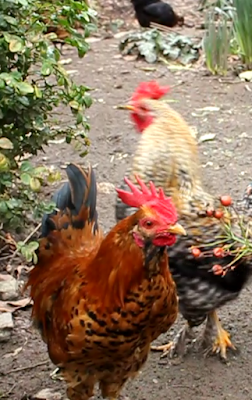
(226, 168)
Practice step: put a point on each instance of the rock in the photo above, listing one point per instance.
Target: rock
(8, 287)
(47, 394)
(6, 326)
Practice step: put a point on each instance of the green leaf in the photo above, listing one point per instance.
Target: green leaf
(25, 178)
(3, 207)
(16, 45)
(38, 171)
(79, 118)
(20, 244)
(35, 258)
(24, 101)
(7, 36)
(10, 20)
(13, 203)
(24, 88)
(147, 50)
(22, 2)
(46, 69)
(26, 166)
(6, 144)
(35, 184)
(4, 163)
(32, 246)
(88, 101)
(38, 92)
(74, 104)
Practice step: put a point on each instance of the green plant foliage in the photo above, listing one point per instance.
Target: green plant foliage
(153, 45)
(243, 29)
(219, 7)
(216, 45)
(33, 83)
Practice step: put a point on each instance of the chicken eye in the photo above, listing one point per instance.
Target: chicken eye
(148, 223)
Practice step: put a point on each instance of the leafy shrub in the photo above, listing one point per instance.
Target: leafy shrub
(33, 83)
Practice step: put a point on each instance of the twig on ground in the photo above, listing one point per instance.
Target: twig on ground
(26, 368)
(6, 394)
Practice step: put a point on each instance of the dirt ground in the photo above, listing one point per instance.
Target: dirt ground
(226, 167)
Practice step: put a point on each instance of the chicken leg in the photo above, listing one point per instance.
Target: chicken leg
(222, 341)
(177, 346)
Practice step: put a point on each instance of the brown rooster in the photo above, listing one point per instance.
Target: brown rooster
(167, 154)
(99, 301)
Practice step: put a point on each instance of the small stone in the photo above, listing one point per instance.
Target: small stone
(6, 326)
(8, 288)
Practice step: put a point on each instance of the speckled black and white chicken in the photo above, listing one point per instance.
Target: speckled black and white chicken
(167, 154)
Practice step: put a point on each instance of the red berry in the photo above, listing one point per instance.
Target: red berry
(210, 212)
(196, 252)
(218, 214)
(218, 252)
(217, 269)
(226, 201)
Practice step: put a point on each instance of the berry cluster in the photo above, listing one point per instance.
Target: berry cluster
(220, 251)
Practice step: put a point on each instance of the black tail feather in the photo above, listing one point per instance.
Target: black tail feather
(78, 191)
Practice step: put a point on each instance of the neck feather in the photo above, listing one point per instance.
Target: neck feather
(120, 265)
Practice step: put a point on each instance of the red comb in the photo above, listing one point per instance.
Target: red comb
(150, 90)
(151, 197)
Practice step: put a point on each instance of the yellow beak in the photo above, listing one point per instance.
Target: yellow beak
(128, 107)
(177, 229)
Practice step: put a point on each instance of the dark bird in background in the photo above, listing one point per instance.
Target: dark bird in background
(147, 11)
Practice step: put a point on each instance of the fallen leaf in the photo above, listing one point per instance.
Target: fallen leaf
(12, 306)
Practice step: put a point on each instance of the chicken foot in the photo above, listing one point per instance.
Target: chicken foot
(222, 340)
(178, 345)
